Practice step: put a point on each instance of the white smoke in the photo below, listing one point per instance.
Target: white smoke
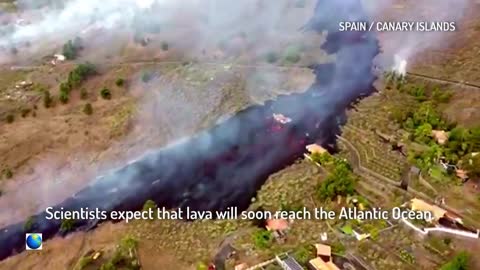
(408, 45)
(400, 65)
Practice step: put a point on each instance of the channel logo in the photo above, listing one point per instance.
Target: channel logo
(33, 241)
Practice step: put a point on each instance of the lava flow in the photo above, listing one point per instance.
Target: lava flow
(225, 165)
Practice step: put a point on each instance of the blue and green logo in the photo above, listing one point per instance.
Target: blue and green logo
(33, 241)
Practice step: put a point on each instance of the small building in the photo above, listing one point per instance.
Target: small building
(278, 227)
(438, 212)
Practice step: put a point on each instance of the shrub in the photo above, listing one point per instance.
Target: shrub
(67, 225)
(146, 77)
(304, 254)
(149, 204)
(340, 182)
(25, 112)
(202, 266)
(108, 266)
(105, 93)
(7, 173)
(262, 239)
(28, 226)
(120, 82)
(271, 57)
(47, 99)
(300, 3)
(292, 54)
(69, 50)
(87, 109)
(165, 46)
(10, 118)
(64, 97)
(459, 262)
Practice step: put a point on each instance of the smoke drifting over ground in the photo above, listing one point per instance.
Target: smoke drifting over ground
(203, 23)
(225, 165)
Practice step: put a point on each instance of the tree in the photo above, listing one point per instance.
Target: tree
(105, 93)
(69, 50)
(427, 113)
(7, 173)
(67, 225)
(459, 262)
(64, 97)
(338, 183)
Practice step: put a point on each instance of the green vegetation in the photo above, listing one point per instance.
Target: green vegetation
(262, 239)
(64, 94)
(120, 82)
(71, 48)
(422, 117)
(67, 225)
(406, 256)
(10, 118)
(202, 266)
(292, 54)
(459, 262)
(75, 78)
(339, 182)
(88, 109)
(149, 204)
(108, 266)
(124, 256)
(164, 46)
(7, 173)
(105, 93)
(300, 3)
(83, 93)
(271, 57)
(338, 248)
(25, 112)
(304, 254)
(47, 99)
